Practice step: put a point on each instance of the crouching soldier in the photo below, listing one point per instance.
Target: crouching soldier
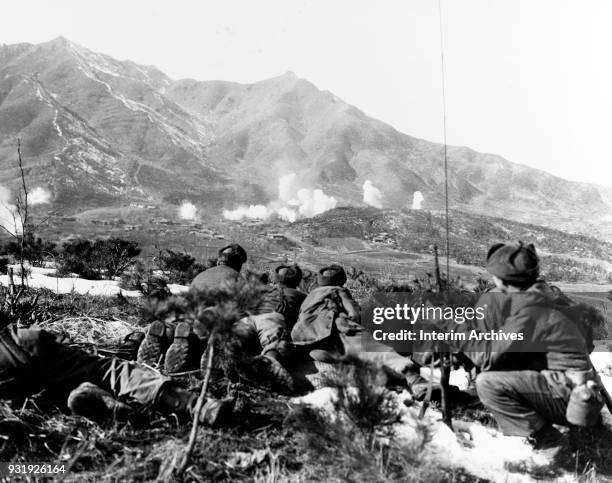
(329, 327)
(260, 337)
(546, 378)
(32, 360)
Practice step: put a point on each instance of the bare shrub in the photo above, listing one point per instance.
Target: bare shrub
(92, 260)
(145, 280)
(363, 398)
(178, 267)
(35, 250)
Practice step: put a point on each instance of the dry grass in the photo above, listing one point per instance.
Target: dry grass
(91, 330)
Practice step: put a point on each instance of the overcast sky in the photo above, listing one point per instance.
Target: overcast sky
(527, 79)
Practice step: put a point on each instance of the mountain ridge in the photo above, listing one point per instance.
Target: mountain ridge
(115, 130)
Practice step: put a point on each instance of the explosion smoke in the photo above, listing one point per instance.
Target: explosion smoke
(293, 202)
(8, 212)
(417, 200)
(187, 211)
(9, 218)
(372, 195)
(287, 186)
(313, 202)
(255, 212)
(39, 196)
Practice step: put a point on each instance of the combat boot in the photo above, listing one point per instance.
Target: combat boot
(267, 369)
(154, 345)
(214, 413)
(180, 354)
(547, 444)
(129, 348)
(92, 402)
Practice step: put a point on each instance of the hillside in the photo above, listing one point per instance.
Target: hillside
(98, 131)
(572, 258)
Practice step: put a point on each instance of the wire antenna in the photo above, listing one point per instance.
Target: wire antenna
(445, 147)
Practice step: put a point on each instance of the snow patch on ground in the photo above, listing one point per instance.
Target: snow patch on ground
(56, 125)
(39, 278)
(482, 451)
(490, 451)
(601, 357)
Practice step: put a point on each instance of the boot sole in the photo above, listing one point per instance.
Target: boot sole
(178, 354)
(151, 350)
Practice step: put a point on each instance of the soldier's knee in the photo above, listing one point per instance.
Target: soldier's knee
(487, 385)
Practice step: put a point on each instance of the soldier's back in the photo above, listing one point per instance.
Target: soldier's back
(215, 277)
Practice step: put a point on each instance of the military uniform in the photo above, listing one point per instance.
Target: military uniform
(527, 383)
(260, 334)
(215, 277)
(288, 278)
(330, 320)
(32, 360)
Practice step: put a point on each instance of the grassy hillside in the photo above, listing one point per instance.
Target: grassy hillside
(398, 244)
(565, 256)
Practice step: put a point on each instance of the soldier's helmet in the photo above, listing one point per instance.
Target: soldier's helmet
(233, 256)
(333, 275)
(289, 275)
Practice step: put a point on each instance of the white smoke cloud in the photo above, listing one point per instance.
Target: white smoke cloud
(254, 212)
(287, 186)
(8, 212)
(313, 202)
(293, 202)
(287, 214)
(39, 196)
(188, 211)
(372, 195)
(9, 218)
(417, 200)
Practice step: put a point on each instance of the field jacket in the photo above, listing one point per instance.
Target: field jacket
(321, 309)
(214, 277)
(552, 335)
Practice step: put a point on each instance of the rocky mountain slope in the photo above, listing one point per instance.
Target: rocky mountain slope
(98, 131)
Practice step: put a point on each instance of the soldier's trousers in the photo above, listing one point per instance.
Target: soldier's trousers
(263, 333)
(522, 402)
(32, 360)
